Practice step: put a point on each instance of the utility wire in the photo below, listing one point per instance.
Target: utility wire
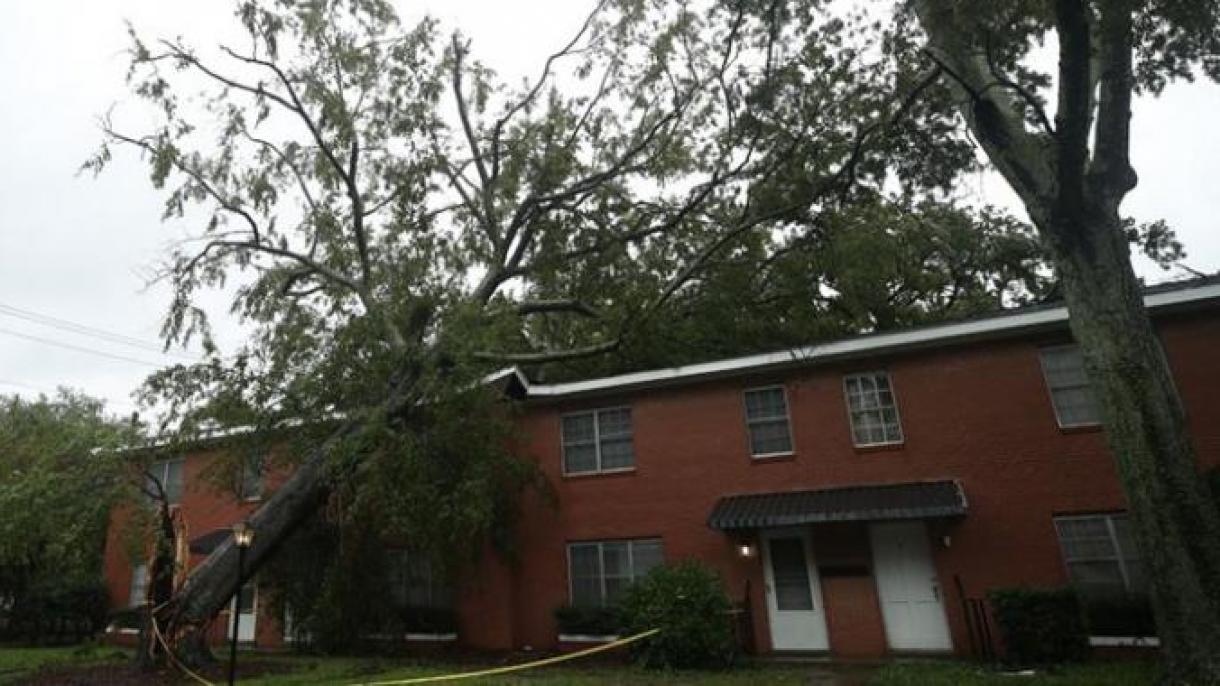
(82, 349)
(86, 330)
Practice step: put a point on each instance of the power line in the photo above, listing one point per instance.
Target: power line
(86, 330)
(81, 349)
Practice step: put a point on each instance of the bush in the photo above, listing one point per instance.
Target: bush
(424, 619)
(1120, 616)
(1040, 626)
(590, 621)
(55, 611)
(688, 604)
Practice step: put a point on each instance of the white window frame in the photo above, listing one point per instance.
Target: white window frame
(242, 495)
(160, 471)
(132, 600)
(851, 418)
(601, 561)
(1050, 390)
(1117, 557)
(751, 422)
(597, 441)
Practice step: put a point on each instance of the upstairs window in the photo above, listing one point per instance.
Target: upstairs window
(166, 476)
(138, 593)
(599, 571)
(872, 409)
(1071, 395)
(598, 441)
(767, 421)
(250, 480)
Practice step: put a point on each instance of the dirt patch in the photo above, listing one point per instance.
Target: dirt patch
(119, 674)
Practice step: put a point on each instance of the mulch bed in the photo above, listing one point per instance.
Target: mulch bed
(123, 674)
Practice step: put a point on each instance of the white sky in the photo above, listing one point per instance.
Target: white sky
(80, 249)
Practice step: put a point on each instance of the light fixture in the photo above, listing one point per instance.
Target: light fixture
(243, 534)
(745, 549)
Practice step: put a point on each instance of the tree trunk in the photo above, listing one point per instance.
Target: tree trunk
(1177, 525)
(211, 585)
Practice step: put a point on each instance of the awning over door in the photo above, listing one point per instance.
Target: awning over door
(912, 500)
(205, 544)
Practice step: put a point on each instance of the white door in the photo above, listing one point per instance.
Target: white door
(794, 596)
(908, 588)
(246, 604)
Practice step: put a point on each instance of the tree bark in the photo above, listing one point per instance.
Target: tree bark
(1176, 523)
(212, 584)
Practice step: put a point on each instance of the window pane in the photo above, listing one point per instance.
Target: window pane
(245, 599)
(580, 458)
(615, 561)
(769, 437)
(139, 585)
(617, 453)
(647, 555)
(584, 570)
(791, 574)
(578, 428)
(614, 423)
(1071, 395)
(615, 587)
(173, 481)
(252, 478)
(1098, 578)
(766, 403)
(872, 409)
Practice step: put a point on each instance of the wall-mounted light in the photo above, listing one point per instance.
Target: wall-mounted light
(946, 540)
(746, 549)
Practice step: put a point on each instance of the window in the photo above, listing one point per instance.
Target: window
(767, 421)
(1073, 399)
(1100, 554)
(414, 581)
(872, 409)
(597, 441)
(250, 481)
(138, 595)
(1106, 569)
(167, 475)
(599, 571)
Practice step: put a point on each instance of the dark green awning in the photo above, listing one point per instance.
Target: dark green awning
(911, 500)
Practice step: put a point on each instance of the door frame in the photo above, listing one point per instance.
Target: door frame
(250, 620)
(805, 533)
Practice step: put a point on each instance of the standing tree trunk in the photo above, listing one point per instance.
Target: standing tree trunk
(1073, 191)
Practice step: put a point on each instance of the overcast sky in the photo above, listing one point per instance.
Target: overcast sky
(80, 250)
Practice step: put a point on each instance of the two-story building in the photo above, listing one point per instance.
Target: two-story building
(853, 495)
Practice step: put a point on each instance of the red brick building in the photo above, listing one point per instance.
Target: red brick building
(853, 494)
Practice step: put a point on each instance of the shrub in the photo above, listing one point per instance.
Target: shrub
(1120, 616)
(56, 611)
(1040, 626)
(688, 604)
(591, 621)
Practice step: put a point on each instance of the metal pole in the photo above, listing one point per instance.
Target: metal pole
(241, 564)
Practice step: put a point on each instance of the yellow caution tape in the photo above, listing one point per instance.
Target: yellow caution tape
(516, 668)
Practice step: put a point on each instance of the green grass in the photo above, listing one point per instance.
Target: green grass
(959, 674)
(18, 662)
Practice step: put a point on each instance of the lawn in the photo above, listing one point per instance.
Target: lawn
(23, 665)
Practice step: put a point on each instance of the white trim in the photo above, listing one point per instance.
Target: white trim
(414, 636)
(851, 420)
(745, 407)
(597, 441)
(856, 346)
(1124, 642)
(587, 638)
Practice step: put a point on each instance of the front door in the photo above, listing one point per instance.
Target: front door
(908, 588)
(794, 597)
(246, 604)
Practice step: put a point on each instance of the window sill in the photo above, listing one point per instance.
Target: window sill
(1080, 429)
(879, 447)
(628, 471)
(587, 638)
(773, 457)
(1124, 641)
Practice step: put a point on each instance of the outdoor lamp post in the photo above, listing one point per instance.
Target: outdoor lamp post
(243, 536)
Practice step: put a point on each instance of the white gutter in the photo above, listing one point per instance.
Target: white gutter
(848, 347)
